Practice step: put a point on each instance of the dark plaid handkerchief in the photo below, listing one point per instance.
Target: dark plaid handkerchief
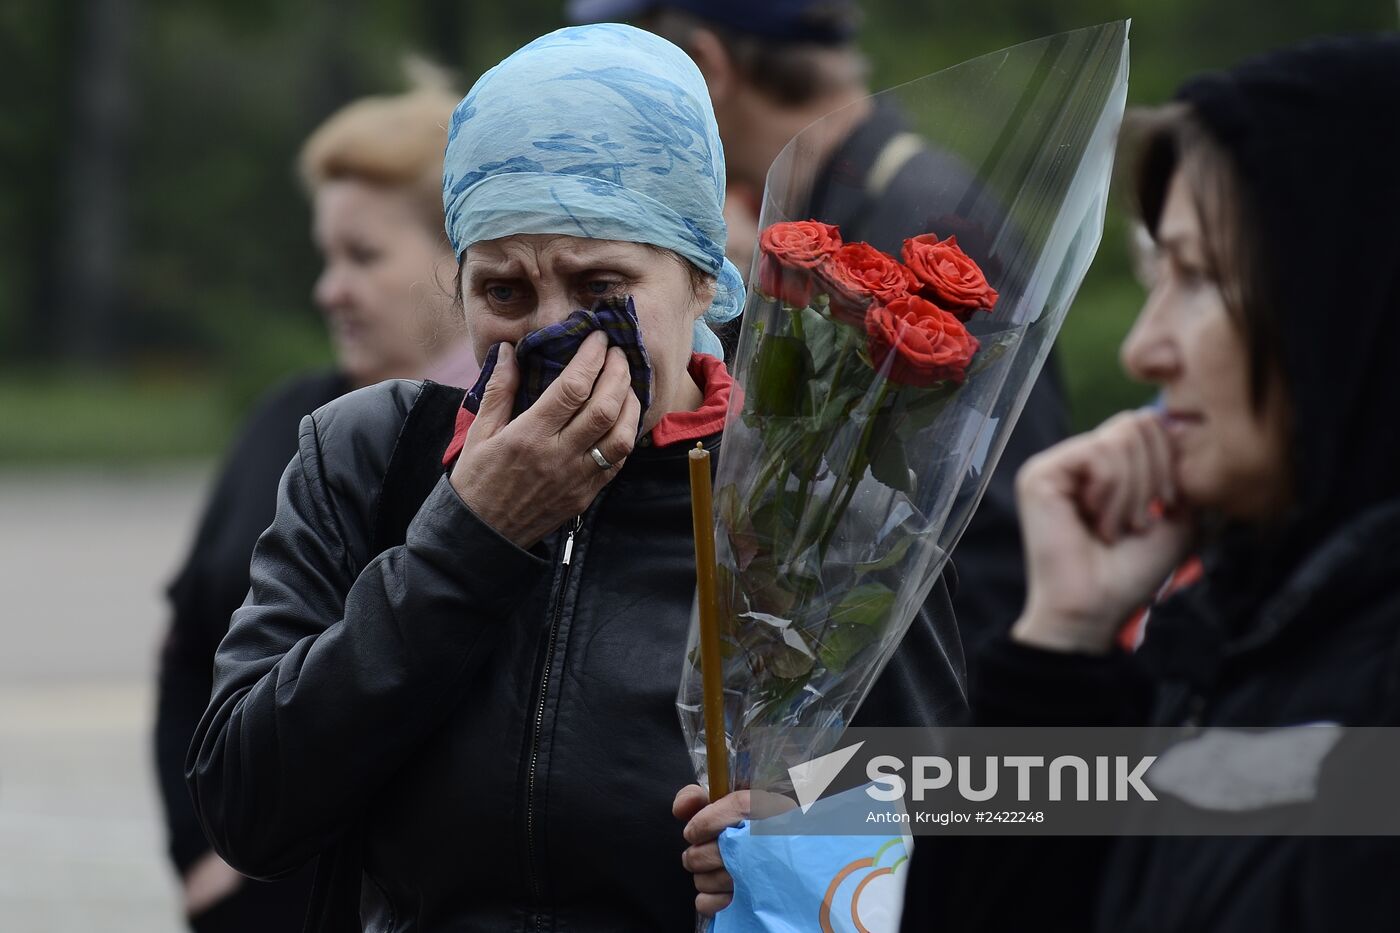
(542, 355)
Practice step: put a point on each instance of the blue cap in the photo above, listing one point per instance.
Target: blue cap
(821, 21)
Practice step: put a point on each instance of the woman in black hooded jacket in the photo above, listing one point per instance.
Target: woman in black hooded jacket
(1273, 330)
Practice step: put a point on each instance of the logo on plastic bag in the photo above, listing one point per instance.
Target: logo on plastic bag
(866, 895)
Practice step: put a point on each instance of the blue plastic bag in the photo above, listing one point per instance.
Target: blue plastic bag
(785, 882)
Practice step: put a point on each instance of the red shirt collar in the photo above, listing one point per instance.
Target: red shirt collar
(676, 427)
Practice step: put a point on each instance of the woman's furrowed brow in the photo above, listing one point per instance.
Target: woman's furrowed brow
(590, 260)
(486, 269)
(588, 257)
(572, 263)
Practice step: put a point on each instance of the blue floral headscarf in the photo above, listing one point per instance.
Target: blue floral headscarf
(600, 131)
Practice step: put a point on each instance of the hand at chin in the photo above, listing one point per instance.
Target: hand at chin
(1103, 527)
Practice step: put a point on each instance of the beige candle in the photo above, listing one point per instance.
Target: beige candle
(711, 672)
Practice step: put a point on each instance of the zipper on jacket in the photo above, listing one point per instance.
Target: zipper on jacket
(565, 559)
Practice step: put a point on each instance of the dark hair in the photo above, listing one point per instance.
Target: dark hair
(1169, 139)
(790, 73)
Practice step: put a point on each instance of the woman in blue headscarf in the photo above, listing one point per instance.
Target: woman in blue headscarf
(453, 680)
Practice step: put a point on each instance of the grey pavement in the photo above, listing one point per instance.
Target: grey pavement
(83, 559)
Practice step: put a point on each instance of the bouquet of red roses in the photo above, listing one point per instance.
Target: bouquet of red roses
(859, 354)
(874, 393)
(865, 353)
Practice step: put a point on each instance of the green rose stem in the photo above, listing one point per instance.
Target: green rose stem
(858, 461)
(800, 334)
(848, 339)
(855, 470)
(790, 450)
(796, 315)
(780, 462)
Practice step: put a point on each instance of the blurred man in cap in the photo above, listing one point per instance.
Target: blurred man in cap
(775, 66)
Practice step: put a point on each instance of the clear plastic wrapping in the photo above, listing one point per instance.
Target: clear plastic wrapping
(842, 485)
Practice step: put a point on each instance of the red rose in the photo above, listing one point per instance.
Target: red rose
(948, 276)
(922, 343)
(858, 275)
(788, 252)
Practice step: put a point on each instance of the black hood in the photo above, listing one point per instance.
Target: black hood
(1315, 134)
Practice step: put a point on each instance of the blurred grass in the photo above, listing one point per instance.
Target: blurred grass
(163, 406)
(110, 419)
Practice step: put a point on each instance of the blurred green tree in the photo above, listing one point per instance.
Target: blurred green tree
(198, 263)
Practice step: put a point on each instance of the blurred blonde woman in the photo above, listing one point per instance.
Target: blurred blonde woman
(373, 173)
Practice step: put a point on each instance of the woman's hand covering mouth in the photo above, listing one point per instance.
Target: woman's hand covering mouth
(541, 355)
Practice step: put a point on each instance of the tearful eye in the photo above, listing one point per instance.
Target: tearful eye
(597, 288)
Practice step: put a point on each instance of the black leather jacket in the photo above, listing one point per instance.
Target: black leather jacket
(499, 724)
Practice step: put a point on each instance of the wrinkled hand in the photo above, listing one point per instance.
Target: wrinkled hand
(527, 477)
(704, 822)
(1102, 530)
